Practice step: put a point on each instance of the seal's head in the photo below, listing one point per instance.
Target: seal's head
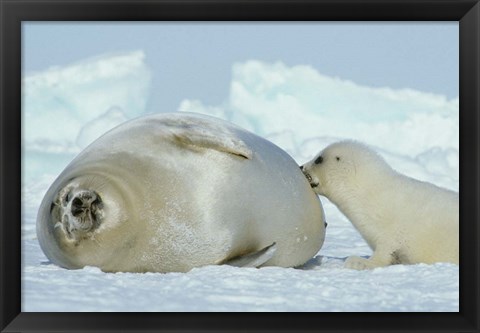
(342, 167)
(78, 211)
(72, 217)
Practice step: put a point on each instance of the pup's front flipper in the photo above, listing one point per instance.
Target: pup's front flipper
(376, 260)
(255, 259)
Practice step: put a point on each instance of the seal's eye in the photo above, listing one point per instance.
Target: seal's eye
(319, 160)
(338, 158)
(67, 198)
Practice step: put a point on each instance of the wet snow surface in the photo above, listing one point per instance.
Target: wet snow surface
(417, 134)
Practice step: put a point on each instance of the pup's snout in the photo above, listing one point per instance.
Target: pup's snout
(307, 175)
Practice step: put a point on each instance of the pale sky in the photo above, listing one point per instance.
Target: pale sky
(194, 60)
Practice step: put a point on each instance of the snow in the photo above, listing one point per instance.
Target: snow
(297, 108)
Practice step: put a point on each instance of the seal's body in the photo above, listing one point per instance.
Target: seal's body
(402, 219)
(170, 192)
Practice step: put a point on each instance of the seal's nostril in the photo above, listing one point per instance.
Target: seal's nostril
(85, 206)
(77, 211)
(301, 167)
(77, 202)
(77, 206)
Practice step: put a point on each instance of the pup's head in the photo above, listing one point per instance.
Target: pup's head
(342, 167)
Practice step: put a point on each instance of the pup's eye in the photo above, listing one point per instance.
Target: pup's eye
(338, 158)
(319, 160)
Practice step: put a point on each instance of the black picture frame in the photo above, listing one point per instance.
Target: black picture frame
(13, 12)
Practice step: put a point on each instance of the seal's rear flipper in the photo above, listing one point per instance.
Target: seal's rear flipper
(255, 259)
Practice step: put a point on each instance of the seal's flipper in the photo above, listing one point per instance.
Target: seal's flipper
(254, 259)
(203, 134)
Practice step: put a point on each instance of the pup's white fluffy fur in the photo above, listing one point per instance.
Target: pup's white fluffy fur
(402, 219)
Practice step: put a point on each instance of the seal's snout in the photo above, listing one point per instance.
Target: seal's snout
(77, 207)
(80, 211)
(84, 202)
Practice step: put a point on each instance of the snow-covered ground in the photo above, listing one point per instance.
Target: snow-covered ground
(297, 108)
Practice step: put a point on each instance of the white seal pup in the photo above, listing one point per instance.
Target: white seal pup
(402, 219)
(170, 192)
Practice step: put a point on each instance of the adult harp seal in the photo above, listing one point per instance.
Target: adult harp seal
(170, 192)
